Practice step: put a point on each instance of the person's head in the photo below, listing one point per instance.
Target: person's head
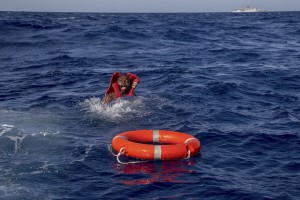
(124, 83)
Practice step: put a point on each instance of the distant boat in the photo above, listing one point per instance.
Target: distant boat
(248, 9)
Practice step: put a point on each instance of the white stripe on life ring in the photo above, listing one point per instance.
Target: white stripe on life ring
(155, 136)
(121, 136)
(157, 152)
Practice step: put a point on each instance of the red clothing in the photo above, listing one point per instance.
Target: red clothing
(114, 88)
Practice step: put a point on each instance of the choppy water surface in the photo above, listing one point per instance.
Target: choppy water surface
(231, 80)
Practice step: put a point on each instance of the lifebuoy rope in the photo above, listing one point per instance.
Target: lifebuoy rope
(189, 139)
(189, 155)
(189, 152)
(120, 153)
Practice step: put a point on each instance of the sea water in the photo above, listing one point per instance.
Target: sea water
(232, 80)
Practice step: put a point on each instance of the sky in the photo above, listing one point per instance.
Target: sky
(146, 5)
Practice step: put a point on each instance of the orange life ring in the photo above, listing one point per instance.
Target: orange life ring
(170, 145)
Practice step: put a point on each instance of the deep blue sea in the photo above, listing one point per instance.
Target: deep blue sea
(232, 80)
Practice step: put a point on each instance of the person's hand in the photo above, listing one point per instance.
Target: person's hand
(108, 98)
(134, 84)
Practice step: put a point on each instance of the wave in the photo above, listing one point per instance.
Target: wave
(180, 36)
(66, 18)
(219, 88)
(235, 89)
(135, 21)
(13, 139)
(33, 24)
(121, 32)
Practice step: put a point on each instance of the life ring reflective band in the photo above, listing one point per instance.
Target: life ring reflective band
(168, 145)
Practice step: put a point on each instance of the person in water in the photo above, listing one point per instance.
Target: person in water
(121, 85)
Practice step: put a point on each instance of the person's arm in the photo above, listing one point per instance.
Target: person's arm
(109, 97)
(135, 79)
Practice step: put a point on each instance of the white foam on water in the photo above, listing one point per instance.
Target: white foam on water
(18, 135)
(87, 150)
(44, 133)
(4, 128)
(42, 169)
(117, 109)
(11, 191)
(66, 18)
(34, 121)
(18, 140)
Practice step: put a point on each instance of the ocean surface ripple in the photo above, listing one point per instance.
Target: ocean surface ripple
(230, 79)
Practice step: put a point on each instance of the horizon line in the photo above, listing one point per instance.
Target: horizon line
(141, 12)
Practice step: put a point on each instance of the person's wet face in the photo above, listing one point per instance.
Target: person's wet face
(124, 83)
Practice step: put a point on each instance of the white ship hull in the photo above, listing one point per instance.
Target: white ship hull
(248, 9)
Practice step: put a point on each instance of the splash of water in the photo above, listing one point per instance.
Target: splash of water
(115, 110)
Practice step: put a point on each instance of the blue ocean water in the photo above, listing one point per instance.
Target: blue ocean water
(232, 80)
